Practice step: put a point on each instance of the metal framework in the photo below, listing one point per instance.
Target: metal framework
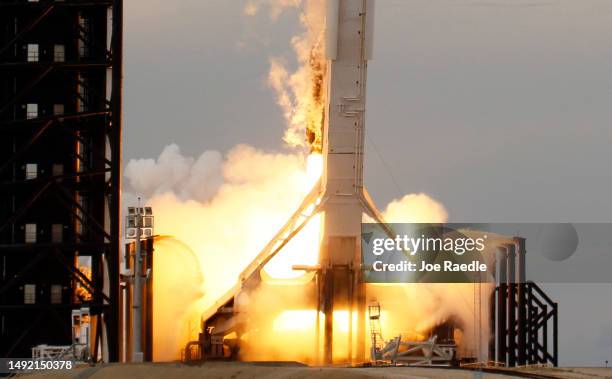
(376, 338)
(126, 303)
(419, 353)
(60, 155)
(525, 319)
(396, 351)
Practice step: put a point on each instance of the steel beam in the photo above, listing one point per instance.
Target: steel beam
(522, 308)
(87, 195)
(502, 330)
(511, 280)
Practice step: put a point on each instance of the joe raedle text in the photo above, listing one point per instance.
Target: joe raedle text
(446, 266)
(424, 247)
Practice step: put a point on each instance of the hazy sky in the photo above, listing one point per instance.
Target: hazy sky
(500, 109)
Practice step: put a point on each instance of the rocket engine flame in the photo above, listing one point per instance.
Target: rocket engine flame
(226, 208)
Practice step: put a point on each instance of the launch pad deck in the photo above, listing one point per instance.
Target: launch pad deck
(248, 370)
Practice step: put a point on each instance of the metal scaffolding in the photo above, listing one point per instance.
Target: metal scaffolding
(525, 319)
(60, 156)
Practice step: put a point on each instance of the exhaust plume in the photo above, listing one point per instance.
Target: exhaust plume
(276, 7)
(222, 209)
(415, 208)
(225, 212)
(186, 177)
(301, 93)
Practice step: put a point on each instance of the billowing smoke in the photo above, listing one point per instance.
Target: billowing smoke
(413, 310)
(415, 208)
(178, 295)
(275, 7)
(301, 93)
(222, 209)
(186, 177)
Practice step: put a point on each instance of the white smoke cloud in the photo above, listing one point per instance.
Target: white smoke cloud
(300, 92)
(415, 208)
(275, 7)
(225, 208)
(188, 178)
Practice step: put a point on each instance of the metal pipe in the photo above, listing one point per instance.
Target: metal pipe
(544, 332)
(556, 334)
(137, 355)
(531, 339)
(492, 313)
(501, 306)
(328, 310)
(112, 317)
(511, 280)
(522, 306)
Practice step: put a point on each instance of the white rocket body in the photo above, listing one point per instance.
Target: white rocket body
(349, 37)
(340, 197)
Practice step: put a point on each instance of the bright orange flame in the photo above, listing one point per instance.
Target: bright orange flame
(303, 249)
(303, 323)
(300, 320)
(259, 192)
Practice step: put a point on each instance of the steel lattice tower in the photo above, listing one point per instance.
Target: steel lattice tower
(60, 157)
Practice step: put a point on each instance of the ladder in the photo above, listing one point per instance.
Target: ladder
(375, 332)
